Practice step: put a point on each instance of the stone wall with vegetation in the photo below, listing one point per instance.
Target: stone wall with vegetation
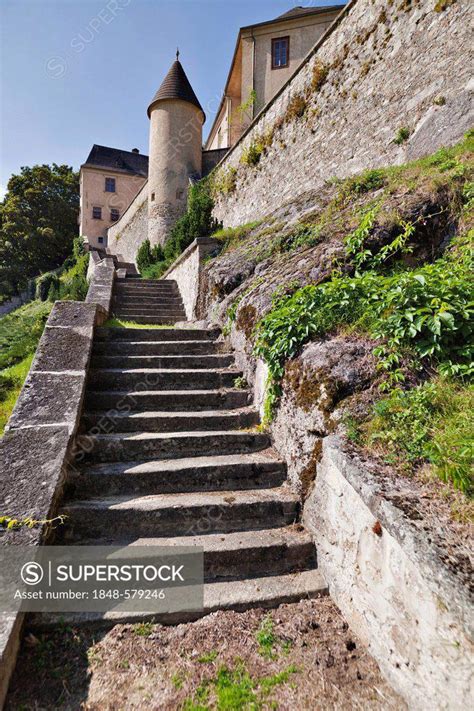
(348, 309)
(389, 82)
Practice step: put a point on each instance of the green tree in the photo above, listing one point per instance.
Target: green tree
(38, 223)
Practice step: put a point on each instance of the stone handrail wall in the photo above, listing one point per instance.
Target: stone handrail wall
(379, 68)
(39, 438)
(186, 271)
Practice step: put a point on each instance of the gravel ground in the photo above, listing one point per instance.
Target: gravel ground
(298, 656)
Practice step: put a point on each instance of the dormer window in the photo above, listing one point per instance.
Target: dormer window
(110, 185)
(280, 52)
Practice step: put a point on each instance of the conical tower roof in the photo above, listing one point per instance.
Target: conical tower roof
(176, 86)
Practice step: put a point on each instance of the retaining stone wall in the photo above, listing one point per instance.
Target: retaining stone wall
(389, 585)
(390, 65)
(126, 236)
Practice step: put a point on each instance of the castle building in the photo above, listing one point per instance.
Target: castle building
(111, 180)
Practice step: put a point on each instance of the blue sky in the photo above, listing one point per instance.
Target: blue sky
(78, 72)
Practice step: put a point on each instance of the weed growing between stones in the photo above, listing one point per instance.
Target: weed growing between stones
(442, 5)
(402, 135)
(10, 523)
(319, 75)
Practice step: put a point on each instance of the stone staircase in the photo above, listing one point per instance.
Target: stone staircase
(147, 301)
(175, 459)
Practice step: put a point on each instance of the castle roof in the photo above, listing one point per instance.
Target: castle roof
(176, 86)
(116, 159)
(300, 11)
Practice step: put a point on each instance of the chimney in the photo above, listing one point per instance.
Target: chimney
(135, 150)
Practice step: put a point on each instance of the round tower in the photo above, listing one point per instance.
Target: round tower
(175, 155)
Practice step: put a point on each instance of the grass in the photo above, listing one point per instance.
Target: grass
(120, 323)
(11, 382)
(231, 236)
(143, 629)
(20, 332)
(266, 638)
(234, 689)
(430, 425)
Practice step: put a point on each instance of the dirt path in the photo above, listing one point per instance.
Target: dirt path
(299, 656)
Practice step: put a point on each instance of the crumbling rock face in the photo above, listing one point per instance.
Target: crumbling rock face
(317, 387)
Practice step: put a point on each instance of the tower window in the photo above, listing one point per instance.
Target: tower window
(97, 213)
(114, 214)
(280, 52)
(152, 197)
(110, 185)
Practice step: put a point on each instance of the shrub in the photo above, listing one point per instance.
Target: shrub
(144, 257)
(197, 222)
(73, 284)
(46, 282)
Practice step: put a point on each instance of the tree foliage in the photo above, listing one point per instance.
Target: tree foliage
(38, 223)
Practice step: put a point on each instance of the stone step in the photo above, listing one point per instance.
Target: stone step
(145, 284)
(139, 306)
(152, 320)
(242, 554)
(152, 282)
(187, 421)
(219, 473)
(187, 514)
(105, 333)
(160, 379)
(268, 592)
(125, 299)
(157, 348)
(154, 311)
(163, 362)
(169, 400)
(126, 293)
(131, 269)
(146, 446)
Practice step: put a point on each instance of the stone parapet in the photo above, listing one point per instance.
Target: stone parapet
(186, 271)
(38, 443)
